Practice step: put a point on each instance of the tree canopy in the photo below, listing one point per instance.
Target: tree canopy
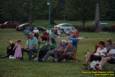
(61, 9)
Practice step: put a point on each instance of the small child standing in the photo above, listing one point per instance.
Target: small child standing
(18, 50)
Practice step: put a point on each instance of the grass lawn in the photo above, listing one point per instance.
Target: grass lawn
(44, 23)
(13, 68)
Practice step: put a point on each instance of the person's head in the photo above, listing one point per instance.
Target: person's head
(72, 35)
(30, 36)
(109, 42)
(63, 42)
(35, 28)
(101, 44)
(69, 42)
(18, 41)
(10, 42)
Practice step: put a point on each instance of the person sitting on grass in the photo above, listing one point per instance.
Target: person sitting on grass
(18, 50)
(109, 44)
(36, 32)
(45, 36)
(74, 41)
(9, 50)
(42, 52)
(56, 52)
(110, 57)
(96, 56)
(31, 46)
(68, 52)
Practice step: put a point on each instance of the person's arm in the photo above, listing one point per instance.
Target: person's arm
(105, 51)
(15, 47)
(108, 54)
(35, 43)
(26, 45)
(66, 48)
(111, 52)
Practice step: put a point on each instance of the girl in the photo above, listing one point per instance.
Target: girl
(18, 50)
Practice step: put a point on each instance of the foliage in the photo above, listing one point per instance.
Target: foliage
(69, 10)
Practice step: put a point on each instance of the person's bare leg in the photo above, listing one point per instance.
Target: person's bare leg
(104, 61)
(74, 56)
(87, 57)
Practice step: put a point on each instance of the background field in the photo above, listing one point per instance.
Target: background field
(13, 68)
(76, 23)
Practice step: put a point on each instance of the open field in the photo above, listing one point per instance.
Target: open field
(13, 68)
(76, 23)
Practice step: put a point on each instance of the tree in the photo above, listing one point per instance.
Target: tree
(82, 10)
(110, 14)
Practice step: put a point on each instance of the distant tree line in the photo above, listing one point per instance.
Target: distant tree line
(23, 10)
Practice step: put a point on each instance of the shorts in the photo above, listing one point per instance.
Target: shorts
(95, 58)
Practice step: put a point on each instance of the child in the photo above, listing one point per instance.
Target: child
(10, 51)
(95, 65)
(18, 50)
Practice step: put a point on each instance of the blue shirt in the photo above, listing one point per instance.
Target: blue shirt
(31, 43)
(74, 41)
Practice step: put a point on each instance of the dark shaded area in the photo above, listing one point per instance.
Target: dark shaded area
(22, 10)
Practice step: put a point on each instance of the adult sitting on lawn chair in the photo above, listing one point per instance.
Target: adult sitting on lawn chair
(31, 46)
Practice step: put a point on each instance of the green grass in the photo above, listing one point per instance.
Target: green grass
(44, 23)
(13, 68)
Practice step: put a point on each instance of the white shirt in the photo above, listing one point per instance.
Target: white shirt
(93, 64)
(101, 52)
(112, 51)
(36, 31)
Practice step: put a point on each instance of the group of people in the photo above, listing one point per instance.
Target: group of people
(49, 44)
(104, 52)
(41, 47)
